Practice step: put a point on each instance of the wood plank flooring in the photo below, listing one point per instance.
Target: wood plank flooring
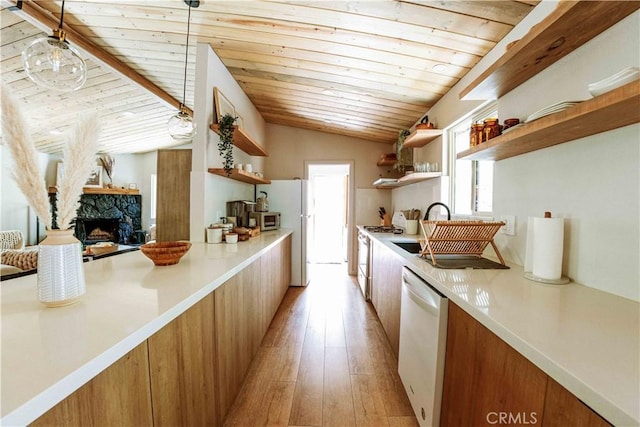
(325, 361)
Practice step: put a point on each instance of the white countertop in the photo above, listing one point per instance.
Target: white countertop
(48, 353)
(585, 339)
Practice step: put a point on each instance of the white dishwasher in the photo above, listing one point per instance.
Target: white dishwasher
(423, 337)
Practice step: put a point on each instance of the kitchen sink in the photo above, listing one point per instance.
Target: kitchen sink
(411, 247)
(452, 260)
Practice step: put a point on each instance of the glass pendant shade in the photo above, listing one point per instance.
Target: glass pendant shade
(181, 127)
(50, 62)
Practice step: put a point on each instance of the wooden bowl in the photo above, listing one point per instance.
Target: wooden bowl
(165, 253)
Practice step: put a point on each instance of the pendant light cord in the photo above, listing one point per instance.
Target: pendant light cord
(61, 15)
(186, 57)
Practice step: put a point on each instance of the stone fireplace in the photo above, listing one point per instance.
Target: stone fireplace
(107, 217)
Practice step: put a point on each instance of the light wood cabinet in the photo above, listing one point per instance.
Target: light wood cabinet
(244, 308)
(486, 379)
(118, 396)
(181, 359)
(563, 409)
(386, 288)
(173, 195)
(191, 370)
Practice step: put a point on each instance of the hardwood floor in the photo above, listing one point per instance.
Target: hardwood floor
(325, 361)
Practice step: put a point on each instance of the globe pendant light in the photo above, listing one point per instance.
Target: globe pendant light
(52, 63)
(181, 125)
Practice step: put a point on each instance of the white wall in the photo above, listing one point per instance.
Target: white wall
(209, 193)
(15, 213)
(594, 182)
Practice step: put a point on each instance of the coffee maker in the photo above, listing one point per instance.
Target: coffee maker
(241, 210)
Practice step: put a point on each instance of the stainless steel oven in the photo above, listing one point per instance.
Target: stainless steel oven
(364, 265)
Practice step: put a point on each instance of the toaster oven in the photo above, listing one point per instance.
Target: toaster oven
(267, 220)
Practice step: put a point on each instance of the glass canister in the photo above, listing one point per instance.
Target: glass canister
(491, 128)
(477, 135)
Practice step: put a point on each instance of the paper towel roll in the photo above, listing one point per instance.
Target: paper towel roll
(528, 255)
(548, 241)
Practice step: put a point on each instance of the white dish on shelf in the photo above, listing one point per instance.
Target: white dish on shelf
(555, 108)
(621, 78)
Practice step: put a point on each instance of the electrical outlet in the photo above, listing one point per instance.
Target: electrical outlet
(510, 225)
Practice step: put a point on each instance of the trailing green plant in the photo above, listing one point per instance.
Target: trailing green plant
(404, 155)
(225, 146)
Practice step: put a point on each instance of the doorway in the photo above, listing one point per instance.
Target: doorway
(331, 200)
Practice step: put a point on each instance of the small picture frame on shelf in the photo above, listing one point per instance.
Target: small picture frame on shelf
(221, 105)
(95, 179)
(133, 186)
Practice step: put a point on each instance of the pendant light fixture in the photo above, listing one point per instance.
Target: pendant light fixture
(181, 125)
(52, 63)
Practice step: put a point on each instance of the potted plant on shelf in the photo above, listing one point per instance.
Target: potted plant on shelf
(226, 127)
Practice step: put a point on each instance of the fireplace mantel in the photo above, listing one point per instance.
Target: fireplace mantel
(91, 190)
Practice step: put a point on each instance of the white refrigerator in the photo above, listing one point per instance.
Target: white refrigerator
(292, 198)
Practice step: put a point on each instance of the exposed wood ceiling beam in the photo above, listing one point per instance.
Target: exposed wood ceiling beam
(43, 19)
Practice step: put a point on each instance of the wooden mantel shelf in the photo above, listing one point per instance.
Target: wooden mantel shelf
(92, 190)
(243, 141)
(240, 175)
(617, 108)
(569, 26)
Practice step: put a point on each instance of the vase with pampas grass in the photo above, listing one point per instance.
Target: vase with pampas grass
(61, 278)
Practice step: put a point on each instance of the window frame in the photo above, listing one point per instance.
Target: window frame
(488, 109)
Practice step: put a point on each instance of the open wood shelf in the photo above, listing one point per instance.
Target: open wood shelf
(243, 141)
(240, 175)
(421, 137)
(409, 179)
(387, 160)
(617, 108)
(92, 190)
(565, 29)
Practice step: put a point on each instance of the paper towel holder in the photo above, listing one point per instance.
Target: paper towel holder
(563, 280)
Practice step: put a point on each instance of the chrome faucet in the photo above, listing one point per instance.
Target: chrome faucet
(426, 216)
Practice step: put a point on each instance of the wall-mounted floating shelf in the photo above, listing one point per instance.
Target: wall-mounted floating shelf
(240, 175)
(409, 179)
(569, 26)
(243, 141)
(421, 137)
(617, 108)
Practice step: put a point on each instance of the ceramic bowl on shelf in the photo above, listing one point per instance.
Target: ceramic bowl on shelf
(165, 253)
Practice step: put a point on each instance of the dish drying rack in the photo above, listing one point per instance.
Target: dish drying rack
(458, 238)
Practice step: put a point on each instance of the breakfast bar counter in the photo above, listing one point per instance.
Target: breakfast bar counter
(48, 353)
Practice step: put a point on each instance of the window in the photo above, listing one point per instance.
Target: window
(472, 181)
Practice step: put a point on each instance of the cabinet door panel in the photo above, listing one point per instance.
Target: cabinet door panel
(563, 409)
(387, 291)
(181, 358)
(118, 396)
(174, 180)
(505, 382)
(458, 368)
(486, 380)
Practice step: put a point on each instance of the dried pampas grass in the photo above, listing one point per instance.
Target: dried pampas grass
(79, 161)
(26, 171)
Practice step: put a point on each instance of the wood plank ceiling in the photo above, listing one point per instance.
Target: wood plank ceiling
(363, 69)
